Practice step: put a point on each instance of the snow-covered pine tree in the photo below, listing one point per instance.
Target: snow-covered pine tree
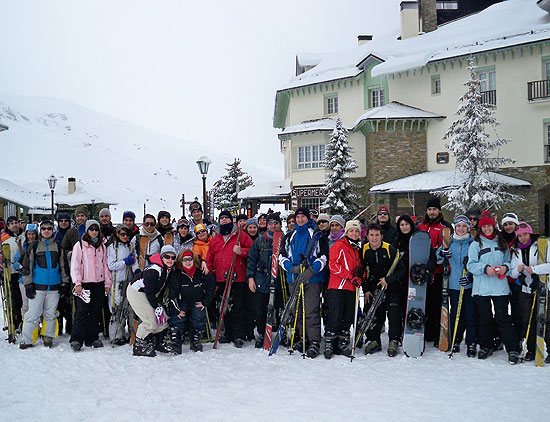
(225, 189)
(341, 192)
(472, 147)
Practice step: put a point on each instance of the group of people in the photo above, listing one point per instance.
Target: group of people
(171, 277)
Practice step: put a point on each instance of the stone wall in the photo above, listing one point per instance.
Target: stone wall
(428, 15)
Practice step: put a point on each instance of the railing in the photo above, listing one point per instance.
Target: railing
(547, 153)
(538, 90)
(489, 97)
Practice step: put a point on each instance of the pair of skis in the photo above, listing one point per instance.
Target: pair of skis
(541, 301)
(7, 298)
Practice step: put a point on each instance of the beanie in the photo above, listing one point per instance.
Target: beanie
(323, 217)
(163, 214)
(63, 216)
(337, 219)
(510, 217)
(128, 214)
(90, 223)
(251, 222)
(434, 202)
(523, 227)
(384, 208)
(351, 224)
(303, 211)
(186, 252)
(226, 213)
(167, 249)
(241, 217)
(182, 222)
(200, 227)
(274, 216)
(195, 205)
(485, 220)
(105, 211)
(82, 209)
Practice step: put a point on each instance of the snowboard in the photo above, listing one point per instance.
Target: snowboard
(542, 299)
(415, 317)
(444, 321)
(271, 317)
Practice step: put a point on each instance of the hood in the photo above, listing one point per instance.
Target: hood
(155, 259)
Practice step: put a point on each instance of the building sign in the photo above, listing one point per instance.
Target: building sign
(309, 192)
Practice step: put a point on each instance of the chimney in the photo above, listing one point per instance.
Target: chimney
(428, 15)
(72, 184)
(362, 39)
(409, 19)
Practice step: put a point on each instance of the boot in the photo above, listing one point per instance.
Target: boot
(529, 357)
(298, 346)
(547, 360)
(144, 347)
(393, 348)
(485, 352)
(48, 341)
(313, 349)
(239, 343)
(498, 344)
(259, 342)
(372, 347)
(456, 348)
(24, 346)
(161, 343)
(195, 343)
(471, 350)
(513, 358)
(76, 345)
(343, 345)
(329, 344)
(175, 338)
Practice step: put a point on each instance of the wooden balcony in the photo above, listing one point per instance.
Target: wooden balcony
(538, 90)
(489, 97)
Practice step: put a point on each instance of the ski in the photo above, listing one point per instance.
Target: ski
(294, 291)
(542, 299)
(7, 304)
(444, 321)
(271, 320)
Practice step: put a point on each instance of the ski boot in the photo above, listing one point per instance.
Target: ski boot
(529, 357)
(239, 343)
(485, 352)
(313, 349)
(343, 345)
(144, 347)
(547, 360)
(195, 343)
(175, 338)
(373, 347)
(471, 350)
(298, 346)
(48, 341)
(76, 345)
(96, 344)
(498, 344)
(161, 343)
(393, 348)
(24, 346)
(513, 358)
(259, 342)
(330, 337)
(456, 348)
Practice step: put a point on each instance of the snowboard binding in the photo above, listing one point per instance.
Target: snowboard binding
(416, 318)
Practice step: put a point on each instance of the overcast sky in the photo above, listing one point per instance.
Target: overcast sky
(206, 71)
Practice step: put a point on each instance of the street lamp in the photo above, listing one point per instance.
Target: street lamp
(93, 207)
(203, 163)
(52, 181)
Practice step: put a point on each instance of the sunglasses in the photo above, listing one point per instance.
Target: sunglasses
(46, 228)
(170, 257)
(93, 229)
(272, 222)
(383, 213)
(149, 224)
(201, 231)
(64, 220)
(522, 226)
(122, 234)
(473, 219)
(322, 222)
(187, 259)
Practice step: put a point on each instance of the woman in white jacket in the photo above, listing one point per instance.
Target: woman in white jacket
(122, 263)
(526, 268)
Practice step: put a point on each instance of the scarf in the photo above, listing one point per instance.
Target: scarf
(189, 271)
(335, 237)
(226, 229)
(269, 234)
(526, 245)
(491, 237)
(151, 236)
(354, 243)
(464, 236)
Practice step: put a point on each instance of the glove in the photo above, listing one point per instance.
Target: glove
(463, 281)
(306, 275)
(130, 259)
(297, 269)
(429, 276)
(30, 291)
(446, 253)
(534, 284)
(356, 281)
(160, 315)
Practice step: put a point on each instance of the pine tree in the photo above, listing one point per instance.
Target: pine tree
(341, 197)
(225, 189)
(472, 147)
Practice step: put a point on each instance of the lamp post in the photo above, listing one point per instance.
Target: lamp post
(52, 181)
(93, 207)
(203, 163)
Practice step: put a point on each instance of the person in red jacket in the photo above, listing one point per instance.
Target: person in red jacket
(220, 254)
(433, 223)
(345, 270)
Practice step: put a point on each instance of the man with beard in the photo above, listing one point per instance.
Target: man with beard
(107, 228)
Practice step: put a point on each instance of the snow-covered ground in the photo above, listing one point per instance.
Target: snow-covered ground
(229, 384)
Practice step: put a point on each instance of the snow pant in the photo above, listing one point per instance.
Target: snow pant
(312, 293)
(44, 303)
(234, 318)
(143, 309)
(195, 316)
(468, 317)
(516, 310)
(526, 303)
(433, 308)
(25, 299)
(341, 310)
(114, 299)
(261, 300)
(279, 302)
(105, 317)
(502, 318)
(389, 306)
(87, 317)
(16, 299)
(65, 308)
(249, 313)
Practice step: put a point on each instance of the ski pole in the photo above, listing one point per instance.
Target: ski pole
(354, 324)
(295, 321)
(303, 321)
(459, 309)
(362, 212)
(524, 342)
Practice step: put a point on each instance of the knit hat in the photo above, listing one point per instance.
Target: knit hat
(250, 222)
(262, 216)
(199, 227)
(273, 216)
(461, 218)
(105, 211)
(195, 205)
(523, 227)
(128, 214)
(323, 217)
(82, 209)
(485, 220)
(302, 210)
(473, 212)
(353, 224)
(90, 223)
(63, 216)
(226, 213)
(167, 249)
(433, 202)
(241, 217)
(383, 208)
(337, 219)
(182, 222)
(510, 217)
(163, 214)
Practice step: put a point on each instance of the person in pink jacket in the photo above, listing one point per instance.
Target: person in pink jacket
(92, 281)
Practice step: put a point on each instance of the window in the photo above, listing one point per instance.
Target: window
(547, 142)
(311, 203)
(488, 80)
(311, 156)
(377, 98)
(436, 85)
(447, 5)
(547, 69)
(331, 104)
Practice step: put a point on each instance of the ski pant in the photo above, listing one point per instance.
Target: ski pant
(261, 300)
(433, 308)
(516, 309)
(235, 313)
(25, 303)
(468, 318)
(143, 309)
(195, 316)
(390, 305)
(312, 293)
(87, 317)
(16, 299)
(526, 303)
(341, 310)
(249, 313)
(502, 318)
(44, 303)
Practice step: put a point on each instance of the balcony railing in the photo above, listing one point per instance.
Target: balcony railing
(538, 90)
(489, 97)
(547, 153)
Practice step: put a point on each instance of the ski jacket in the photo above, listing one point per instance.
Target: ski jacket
(13, 242)
(107, 230)
(144, 251)
(73, 235)
(200, 248)
(518, 258)
(116, 253)
(184, 291)
(389, 233)
(343, 264)
(182, 244)
(434, 229)
(459, 249)
(481, 257)
(376, 264)
(258, 264)
(154, 281)
(42, 265)
(220, 255)
(89, 264)
(295, 248)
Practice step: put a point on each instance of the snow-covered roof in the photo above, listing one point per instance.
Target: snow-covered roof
(23, 196)
(317, 125)
(430, 181)
(274, 189)
(396, 110)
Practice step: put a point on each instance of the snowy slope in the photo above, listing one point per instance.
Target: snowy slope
(111, 158)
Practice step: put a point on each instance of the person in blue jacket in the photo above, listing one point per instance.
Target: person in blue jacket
(457, 255)
(292, 260)
(489, 262)
(31, 234)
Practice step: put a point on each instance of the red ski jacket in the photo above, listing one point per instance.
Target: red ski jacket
(434, 229)
(344, 259)
(220, 254)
